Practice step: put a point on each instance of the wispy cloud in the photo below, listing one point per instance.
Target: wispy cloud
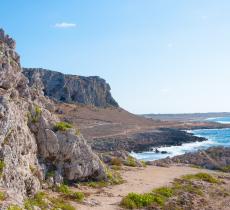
(65, 25)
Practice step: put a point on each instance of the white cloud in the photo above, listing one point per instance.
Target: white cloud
(65, 25)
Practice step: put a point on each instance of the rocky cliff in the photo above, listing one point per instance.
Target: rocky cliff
(32, 140)
(71, 88)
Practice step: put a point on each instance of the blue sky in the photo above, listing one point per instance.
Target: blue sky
(159, 56)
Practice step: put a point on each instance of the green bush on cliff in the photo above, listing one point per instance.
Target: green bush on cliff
(2, 165)
(62, 126)
(2, 196)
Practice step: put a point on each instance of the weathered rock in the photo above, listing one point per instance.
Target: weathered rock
(29, 146)
(71, 88)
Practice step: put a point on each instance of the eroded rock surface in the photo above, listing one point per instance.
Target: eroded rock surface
(71, 88)
(29, 144)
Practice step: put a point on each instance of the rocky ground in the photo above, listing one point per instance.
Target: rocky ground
(215, 158)
(110, 128)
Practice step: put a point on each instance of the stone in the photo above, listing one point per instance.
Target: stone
(29, 146)
(71, 88)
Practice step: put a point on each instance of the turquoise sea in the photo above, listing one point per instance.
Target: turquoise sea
(215, 137)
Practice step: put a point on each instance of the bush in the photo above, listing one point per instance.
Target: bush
(2, 196)
(14, 207)
(78, 196)
(201, 176)
(135, 200)
(166, 192)
(58, 203)
(131, 161)
(62, 126)
(35, 116)
(2, 165)
(64, 189)
(37, 200)
(226, 169)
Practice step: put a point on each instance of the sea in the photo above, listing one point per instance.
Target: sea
(215, 137)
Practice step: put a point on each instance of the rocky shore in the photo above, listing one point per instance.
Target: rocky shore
(214, 158)
(144, 141)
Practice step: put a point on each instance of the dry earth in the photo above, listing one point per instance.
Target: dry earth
(140, 180)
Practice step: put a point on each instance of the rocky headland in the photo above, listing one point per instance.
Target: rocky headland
(71, 88)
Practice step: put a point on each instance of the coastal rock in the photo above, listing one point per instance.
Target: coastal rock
(215, 158)
(29, 145)
(71, 88)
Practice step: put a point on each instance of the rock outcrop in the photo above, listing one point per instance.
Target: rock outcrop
(71, 88)
(30, 147)
(214, 158)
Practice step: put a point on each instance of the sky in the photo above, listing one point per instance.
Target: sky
(159, 56)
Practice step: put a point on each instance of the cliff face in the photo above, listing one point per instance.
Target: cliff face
(71, 88)
(31, 145)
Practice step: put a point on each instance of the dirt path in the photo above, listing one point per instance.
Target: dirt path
(138, 180)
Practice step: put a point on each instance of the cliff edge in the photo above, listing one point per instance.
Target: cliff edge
(71, 88)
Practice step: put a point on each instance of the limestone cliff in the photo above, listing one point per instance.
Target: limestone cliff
(71, 88)
(30, 143)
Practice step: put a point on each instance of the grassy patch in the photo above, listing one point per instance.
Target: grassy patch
(113, 178)
(62, 126)
(37, 200)
(226, 168)
(34, 117)
(45, 202)
(135, 200)
(131, 161)
(59, 203)
(67, 193)
(160, 196)
(2, 196)
(14, 207)
(201, 176)
(2, 165)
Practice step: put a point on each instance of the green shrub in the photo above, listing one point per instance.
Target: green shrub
(14, 207)
(50, 174)
(37, 200)
(78, 196)
(64, 189)
(2, 196)
(166, 192)
(2, 165)
(34, 117)
(62, 126)
(201, 176)
(226, 168)
(143, 163)
(135, 200)
(59, 203)
(131, 161)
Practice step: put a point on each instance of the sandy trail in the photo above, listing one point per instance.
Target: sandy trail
(138, 180)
